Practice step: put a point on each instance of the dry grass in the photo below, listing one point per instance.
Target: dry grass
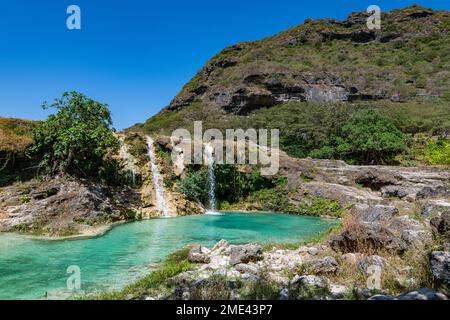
(401, 273)
(15, 135)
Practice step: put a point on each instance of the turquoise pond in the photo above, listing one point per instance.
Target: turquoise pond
(34, 269)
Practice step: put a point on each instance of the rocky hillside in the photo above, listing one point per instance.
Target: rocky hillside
(329, 60)
(311, 77)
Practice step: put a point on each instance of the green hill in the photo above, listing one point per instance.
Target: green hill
(308, 80)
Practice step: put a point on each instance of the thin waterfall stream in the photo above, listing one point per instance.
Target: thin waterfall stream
(211, 179)
(157, 180)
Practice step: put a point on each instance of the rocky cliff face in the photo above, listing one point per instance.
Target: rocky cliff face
(327, 61)
(64, 206)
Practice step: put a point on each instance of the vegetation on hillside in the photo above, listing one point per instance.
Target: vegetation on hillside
(15, 139)
(401, 71)
(15, 134)
(367, 137)
(233, 184)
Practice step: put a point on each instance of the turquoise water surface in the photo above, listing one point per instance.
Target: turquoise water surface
(33, 269)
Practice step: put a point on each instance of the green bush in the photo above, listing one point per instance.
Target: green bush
(438, 152)
(232, 184)
(77, 138)
(321, 207)
(273, 199)
(366, 138)
(194, 186)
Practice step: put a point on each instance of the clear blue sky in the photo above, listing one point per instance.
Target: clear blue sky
(135, 55)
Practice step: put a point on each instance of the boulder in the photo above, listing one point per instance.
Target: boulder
(410, 231)
(430, 192)
(441, 225)
(245, 253)
(310, 282)
(313, 251)
(199, 254)
(422, 294)
(435, 208)
(250, 268)
(440, 266)
(338, 291)
(43, 194)
(165, 142)
(221, 247)
(419, 294)
(378, 213)
(393, 192)
(375, 179)
(369, 261)
(284, 294)
(351, 258)
(364, 236)
(322, 266)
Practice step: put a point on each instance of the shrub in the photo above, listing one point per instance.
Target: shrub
(77, 138)
(321, 207)
(232, 184)
(438, 152)
(194, 186)
(366, 138)
(273, 199)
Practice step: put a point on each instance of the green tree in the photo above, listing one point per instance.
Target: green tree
(77, 138)
(195, 185)
(367, 137)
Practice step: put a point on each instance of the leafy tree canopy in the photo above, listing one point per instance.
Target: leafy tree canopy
(367, 137)
(76, 139)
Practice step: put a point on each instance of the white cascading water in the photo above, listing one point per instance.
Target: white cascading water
(211, 179)
(157, 179)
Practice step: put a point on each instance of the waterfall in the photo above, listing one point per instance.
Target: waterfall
(157, 179)
(211, 179)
